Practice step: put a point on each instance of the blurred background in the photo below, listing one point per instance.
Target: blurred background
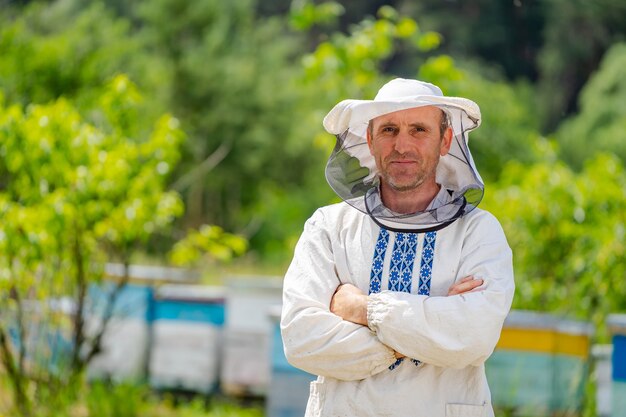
(169, 151)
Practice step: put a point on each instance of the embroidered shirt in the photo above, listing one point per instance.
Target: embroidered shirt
(451, 336)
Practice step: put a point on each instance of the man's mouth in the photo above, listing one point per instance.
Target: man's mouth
(403, 161)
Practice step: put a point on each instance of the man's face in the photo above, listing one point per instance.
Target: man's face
(407, 145)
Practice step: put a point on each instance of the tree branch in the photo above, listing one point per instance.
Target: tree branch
(21, 331)
(79, 319)
(22, 402)
(96, 343)
(203, 168)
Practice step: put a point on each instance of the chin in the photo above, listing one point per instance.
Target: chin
(404, 186)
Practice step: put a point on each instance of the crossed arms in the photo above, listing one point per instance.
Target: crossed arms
(350, 303)
(331, 328)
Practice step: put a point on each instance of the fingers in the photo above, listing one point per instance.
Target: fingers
(465, 285)
(348, 288)
(333, 304)
(398, 355)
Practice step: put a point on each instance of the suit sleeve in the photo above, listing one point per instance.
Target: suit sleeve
(316, 340)
(455, 331)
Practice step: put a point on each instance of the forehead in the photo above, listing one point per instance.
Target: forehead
(424, 115)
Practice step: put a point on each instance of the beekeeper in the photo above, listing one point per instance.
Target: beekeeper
(396, 296)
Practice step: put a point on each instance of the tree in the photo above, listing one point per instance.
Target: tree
(577, 34)
(556, 44)
(70, 49)
(73, 196)
(599, 126)
(509, 126)
(240, 107)
(567, 231)
(505, 34)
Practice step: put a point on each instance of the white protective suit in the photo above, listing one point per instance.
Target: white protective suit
(448, 338)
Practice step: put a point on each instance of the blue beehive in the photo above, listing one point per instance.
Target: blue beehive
(186, 338)
(540, 364)
(247, 332)
(617, 326)
(125, 345)
(289, 387)
(127, 342)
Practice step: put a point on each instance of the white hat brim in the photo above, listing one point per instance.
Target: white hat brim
(350, 114)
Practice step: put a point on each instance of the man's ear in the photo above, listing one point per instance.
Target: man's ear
(446, 141)
(368, 135)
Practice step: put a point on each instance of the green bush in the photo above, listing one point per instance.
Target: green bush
(567, 231)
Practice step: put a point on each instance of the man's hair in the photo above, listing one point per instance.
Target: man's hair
(443, 125)
(445, 122)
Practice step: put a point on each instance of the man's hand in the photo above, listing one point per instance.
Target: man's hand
(467, 284)
(350, 303)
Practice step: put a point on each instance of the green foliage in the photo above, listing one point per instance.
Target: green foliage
(73, 196)
(600, 124)
(343, 66)
(254, 157)
(304, 14)
(241, 108)
(555, 44)
(66, 179)
(104, 399)
(509, 128)
(351, 65)
(60, 49)
(197, 408)
(284, 212)
(116, 400)
(567, 234)
(253, 120)
(509, 125)
(576, 36)
(290, 185)
(71, 49)
(507, 34)
(198, 244)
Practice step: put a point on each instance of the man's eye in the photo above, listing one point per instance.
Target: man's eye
(388, 129)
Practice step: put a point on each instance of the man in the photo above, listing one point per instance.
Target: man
(397, 296)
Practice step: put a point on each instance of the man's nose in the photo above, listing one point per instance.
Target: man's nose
(403, 142)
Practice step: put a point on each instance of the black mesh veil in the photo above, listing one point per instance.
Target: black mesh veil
(351, 172)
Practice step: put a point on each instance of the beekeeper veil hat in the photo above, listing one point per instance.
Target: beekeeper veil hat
(351, 169)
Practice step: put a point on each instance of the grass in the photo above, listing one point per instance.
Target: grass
(129, 400)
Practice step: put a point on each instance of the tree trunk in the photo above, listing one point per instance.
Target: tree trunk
(16, 376)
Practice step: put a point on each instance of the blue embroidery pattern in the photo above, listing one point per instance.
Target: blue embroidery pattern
(401, 267)
(426, 266)
(379, 260)
(402, 259)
